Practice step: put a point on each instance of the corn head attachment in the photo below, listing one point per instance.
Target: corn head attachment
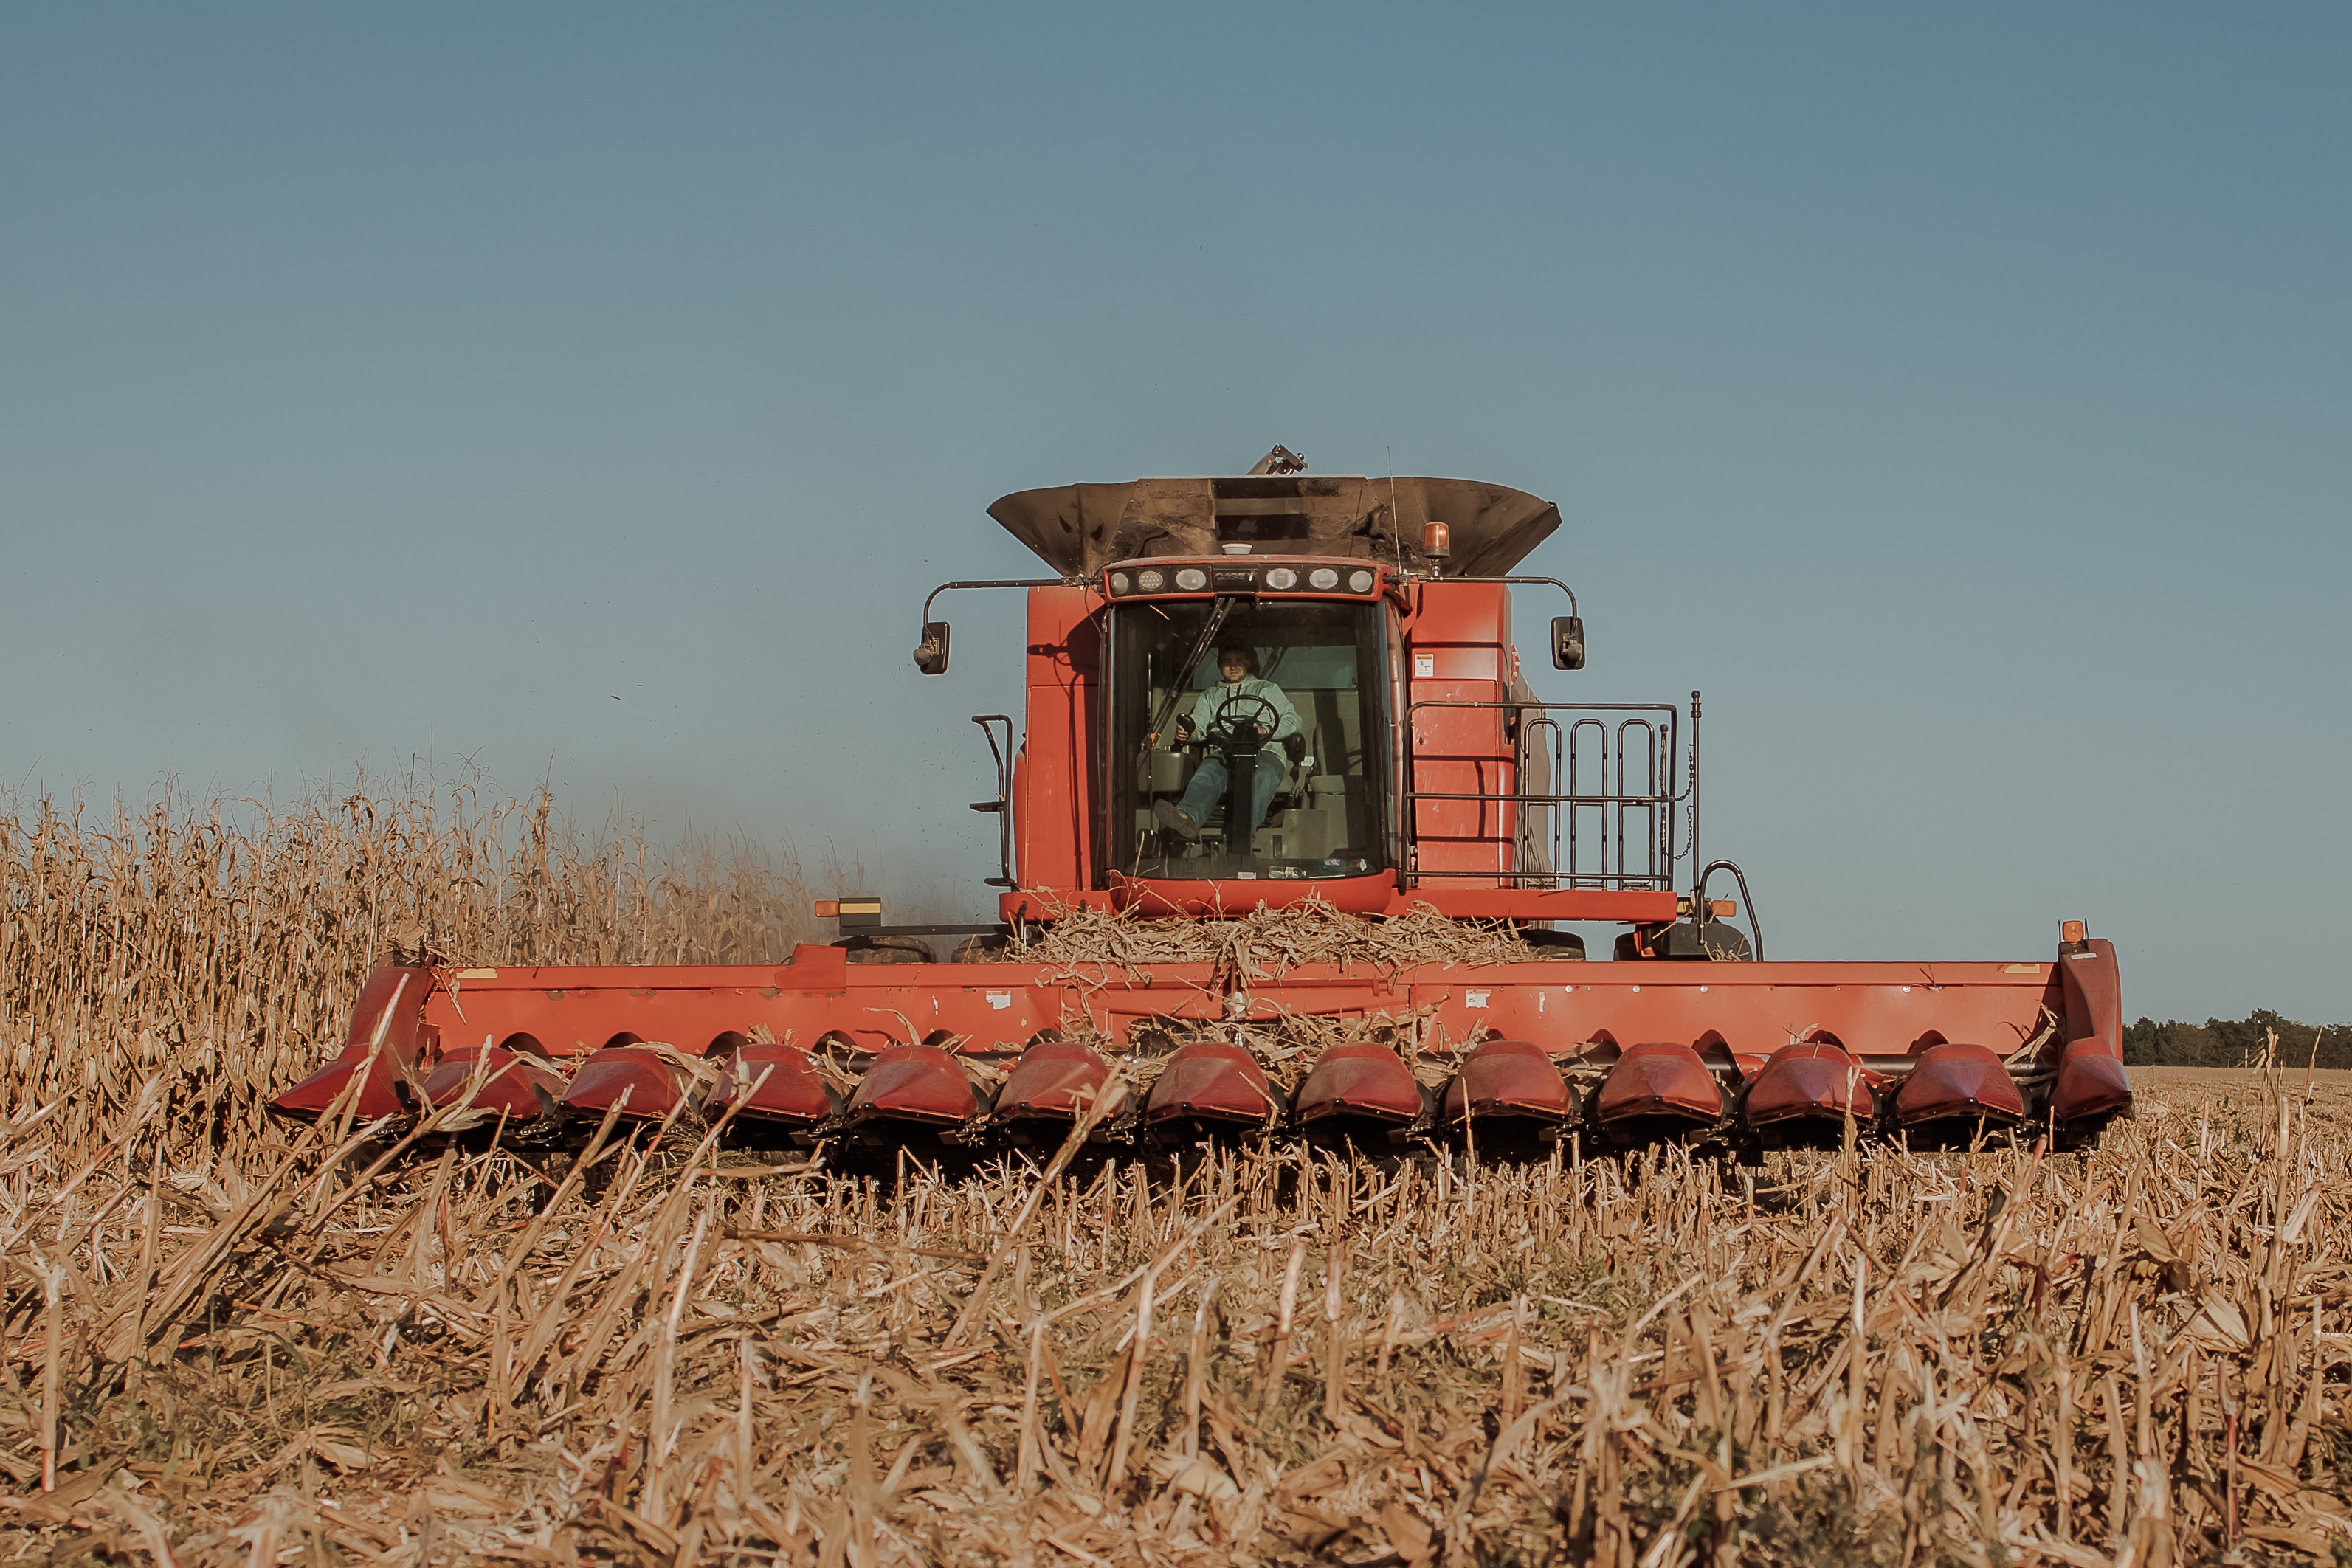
(1745, 1056)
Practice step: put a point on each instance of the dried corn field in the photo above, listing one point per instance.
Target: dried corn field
(222, 942)
(664, 1353)
(225, 1341)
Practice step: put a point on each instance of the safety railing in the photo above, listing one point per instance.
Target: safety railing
(1598, 803)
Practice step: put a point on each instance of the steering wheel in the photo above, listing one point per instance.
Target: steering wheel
(1228, 724)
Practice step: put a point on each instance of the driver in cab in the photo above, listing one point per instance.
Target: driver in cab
(1241, 710)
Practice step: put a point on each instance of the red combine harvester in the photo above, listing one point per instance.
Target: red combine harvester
(1246, 693)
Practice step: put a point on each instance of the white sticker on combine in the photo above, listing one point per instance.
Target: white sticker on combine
(1000, 1000)
(1425, 666)
(1477, 999)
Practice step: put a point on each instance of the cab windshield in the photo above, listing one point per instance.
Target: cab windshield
(1248, 739)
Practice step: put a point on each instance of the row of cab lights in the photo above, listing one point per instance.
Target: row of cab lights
(1194, 579)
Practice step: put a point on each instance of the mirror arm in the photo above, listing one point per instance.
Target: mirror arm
(1531, 582)
(996, 582)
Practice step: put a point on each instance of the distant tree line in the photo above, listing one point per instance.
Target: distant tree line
(2234, 1042)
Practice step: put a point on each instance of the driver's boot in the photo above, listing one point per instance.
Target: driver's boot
(1175, 817)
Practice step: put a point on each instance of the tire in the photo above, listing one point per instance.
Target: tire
(884, 949)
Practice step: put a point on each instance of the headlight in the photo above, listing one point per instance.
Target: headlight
(1323, 577)
(1119, 582)
(1151, 582)
(1360, 581)
(1192, 579)
(1282, 577)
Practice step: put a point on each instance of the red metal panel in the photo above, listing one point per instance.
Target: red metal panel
(1811, 1079)
(574, 1012)
(1353, 895)
(1211, 1081)
(774, 1083)
(1882, 1009)
(1466, 901)
(1458, 636)
(1461, 615)
(1957, 1080)
(1055, 796)
(920, 1084)
(388, 1024)
(1883, 1013)
(1508, 1078)
(2093, 993)
(1358, 1078)
(1876, 1010)
(1463, 900)
(633, 1077)
(1056, 1079)
(518, 1085)
(1659, 1078)
(1485, 664)
(1461, 751)
(1471, 734)
(2091, 1077)
(2090, 1084)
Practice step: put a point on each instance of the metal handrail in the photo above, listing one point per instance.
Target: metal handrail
(1658, 726)
(1002, 804)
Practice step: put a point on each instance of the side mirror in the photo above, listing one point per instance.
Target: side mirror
(1567, 642)
(931, 652)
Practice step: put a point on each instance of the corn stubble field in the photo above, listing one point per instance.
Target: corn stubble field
(224, 1340)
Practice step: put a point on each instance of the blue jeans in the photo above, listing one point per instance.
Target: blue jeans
(1208, 787)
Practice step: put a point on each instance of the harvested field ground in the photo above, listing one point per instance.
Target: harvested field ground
(1254, 1356)
(229, 1341)
(2323, 1081)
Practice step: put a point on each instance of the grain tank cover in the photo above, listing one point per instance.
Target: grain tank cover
(1080, 529)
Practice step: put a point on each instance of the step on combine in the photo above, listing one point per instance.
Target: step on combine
(1267, 692)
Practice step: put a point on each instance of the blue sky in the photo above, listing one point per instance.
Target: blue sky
(1959, 398)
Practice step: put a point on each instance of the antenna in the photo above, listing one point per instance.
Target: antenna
(1396, 527)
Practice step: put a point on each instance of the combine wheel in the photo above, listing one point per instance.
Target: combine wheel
(888, 949)
(2080, 1137)
(1558, 947)
(1716, 939)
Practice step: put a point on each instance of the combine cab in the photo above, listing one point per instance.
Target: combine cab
(1257, 692)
